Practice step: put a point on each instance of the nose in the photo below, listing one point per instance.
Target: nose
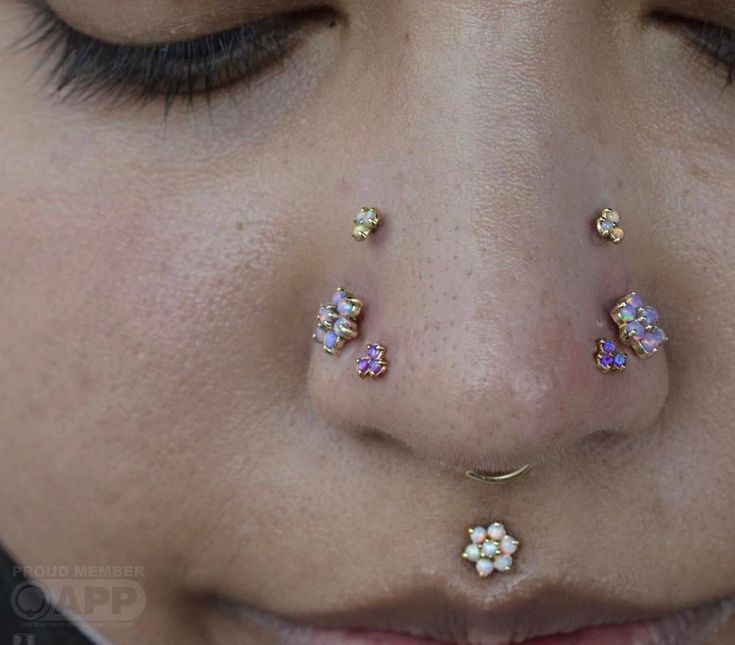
(487, 283)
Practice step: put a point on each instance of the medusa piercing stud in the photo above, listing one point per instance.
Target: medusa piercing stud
(608, 226)
(490, 549)
(367, 222)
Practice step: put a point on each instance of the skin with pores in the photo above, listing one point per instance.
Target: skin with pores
(162, 404)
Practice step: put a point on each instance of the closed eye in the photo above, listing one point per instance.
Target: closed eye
(84, 67)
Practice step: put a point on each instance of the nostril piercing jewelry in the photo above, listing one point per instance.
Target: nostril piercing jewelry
(497, 478)
(608, 358)
(373, 364)
(638, 325)
(490, 549)
(337, 321)
(367, 222)
(608, 226)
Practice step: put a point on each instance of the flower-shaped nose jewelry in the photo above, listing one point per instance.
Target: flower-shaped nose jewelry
(373, 364)
(337, 321)
(638, 325)
(608, 358)
(491, 549)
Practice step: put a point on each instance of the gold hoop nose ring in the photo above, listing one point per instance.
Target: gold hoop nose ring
(498, 478)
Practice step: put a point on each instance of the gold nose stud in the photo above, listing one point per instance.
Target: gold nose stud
(608, 226)
(367, 222)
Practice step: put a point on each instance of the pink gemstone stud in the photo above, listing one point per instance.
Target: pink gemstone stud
(373, 364)
(608, 226)
(337, 321)
(491, 548)
(638, 325)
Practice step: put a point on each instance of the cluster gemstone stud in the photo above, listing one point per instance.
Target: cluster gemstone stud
(367, 222)
(337, 321)
(638, 325)
(608, 226)
(608, 358)
(491, 548)
(373, 364)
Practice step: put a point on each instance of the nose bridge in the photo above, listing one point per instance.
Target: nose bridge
(486, 286)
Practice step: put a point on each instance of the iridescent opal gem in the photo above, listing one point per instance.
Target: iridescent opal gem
(327, 315)
(338, 296)
(634, 331)
(634, 299)
(649, 316)
(345, 307)
(331, 340)
(627, 313)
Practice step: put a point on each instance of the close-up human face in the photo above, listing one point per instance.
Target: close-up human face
(180, 180)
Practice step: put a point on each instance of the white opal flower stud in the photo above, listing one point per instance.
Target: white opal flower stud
(490, 549)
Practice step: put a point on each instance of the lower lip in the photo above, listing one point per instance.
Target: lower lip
(674, 629)
(693, 627)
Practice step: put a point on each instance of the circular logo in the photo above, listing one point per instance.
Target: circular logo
(31, 600)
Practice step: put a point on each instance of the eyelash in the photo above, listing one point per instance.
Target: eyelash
(715, 42)
(718, 43)
(85, 67)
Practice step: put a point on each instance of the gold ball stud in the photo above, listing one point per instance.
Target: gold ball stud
(367, 222)
(608, 226)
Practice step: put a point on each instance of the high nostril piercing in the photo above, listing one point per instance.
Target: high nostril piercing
(337, 321)
(490, 549)
(608, 358)
(638, 325)
(608, 226)
(367, 222)
(374, 363)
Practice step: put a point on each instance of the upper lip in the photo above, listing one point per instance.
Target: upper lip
(528, 610)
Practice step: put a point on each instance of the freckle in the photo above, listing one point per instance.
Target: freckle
(240, 226)
(407, 37)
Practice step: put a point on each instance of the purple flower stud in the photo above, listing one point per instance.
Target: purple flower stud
(373, 364)
(638, 325)
(337, 321)
(608, 358)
